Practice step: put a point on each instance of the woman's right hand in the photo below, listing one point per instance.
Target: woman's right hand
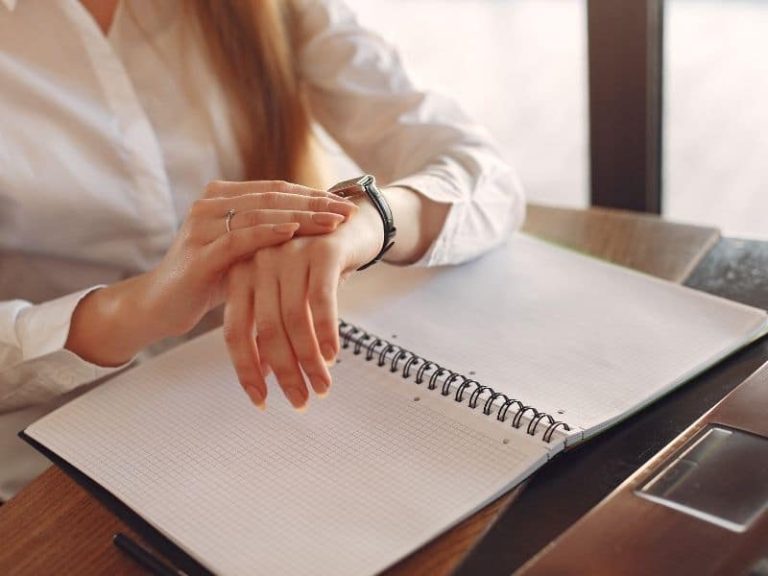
(189, 280)
(112, 324)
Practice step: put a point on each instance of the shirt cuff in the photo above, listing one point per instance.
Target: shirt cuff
(42, 331)
(482, 214)
(439, 190)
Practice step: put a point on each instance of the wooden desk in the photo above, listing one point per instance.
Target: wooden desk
(54, 526)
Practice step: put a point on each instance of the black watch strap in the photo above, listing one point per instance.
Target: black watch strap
(367, 185)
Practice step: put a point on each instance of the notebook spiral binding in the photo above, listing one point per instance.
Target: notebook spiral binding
(410, 364)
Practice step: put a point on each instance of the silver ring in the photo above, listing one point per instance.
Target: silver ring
(228, 221)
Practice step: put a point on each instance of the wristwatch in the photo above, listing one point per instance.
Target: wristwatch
(366, 186)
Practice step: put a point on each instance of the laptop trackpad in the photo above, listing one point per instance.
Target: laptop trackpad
(720, 476)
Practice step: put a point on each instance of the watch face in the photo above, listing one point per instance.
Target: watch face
(351, 191)
(350, 188)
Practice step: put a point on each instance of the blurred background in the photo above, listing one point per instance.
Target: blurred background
(521, 67)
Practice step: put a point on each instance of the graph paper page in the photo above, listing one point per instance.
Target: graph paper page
(361, 479)
(586, 341)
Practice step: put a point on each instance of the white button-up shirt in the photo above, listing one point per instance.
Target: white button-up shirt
(107, 140)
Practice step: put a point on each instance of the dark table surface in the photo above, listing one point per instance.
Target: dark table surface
(574, 482)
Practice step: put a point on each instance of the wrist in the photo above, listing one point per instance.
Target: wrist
(374, 201)
(112, 324)
(369, 232)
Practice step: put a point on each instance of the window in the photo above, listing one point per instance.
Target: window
(517, 66)
(715, 131)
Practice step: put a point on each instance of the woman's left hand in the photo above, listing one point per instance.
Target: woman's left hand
(287, 295)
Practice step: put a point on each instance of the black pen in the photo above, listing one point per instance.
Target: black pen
(143, 556)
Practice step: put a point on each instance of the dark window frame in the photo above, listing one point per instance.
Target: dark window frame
(625, 103)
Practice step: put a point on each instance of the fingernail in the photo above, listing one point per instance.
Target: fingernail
(296, 398)
(329, 354)
(344, 208)
(327, 218)
(321, 384)
(257, 399)
(285, 228)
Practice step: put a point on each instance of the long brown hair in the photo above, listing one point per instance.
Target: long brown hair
(252, 44)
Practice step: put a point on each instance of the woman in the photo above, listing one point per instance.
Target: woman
(174, 140)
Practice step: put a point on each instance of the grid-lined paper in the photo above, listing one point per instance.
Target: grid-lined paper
(586, 341)
(364, 477)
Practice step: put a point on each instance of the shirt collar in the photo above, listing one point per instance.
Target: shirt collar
(10, 4)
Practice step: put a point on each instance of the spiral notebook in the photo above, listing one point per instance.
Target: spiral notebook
(452, 386)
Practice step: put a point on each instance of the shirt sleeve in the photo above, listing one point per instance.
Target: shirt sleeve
(34, 365)
(360, 93)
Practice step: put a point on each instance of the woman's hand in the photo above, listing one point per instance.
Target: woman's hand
(189, 280)
(287, 295)
(112, 324)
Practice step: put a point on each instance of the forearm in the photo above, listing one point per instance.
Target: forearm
(112, 324)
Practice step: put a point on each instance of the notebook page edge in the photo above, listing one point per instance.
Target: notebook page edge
(760, 331)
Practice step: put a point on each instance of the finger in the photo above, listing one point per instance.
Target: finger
(283, 201)
(271, 340)
(217, 208)
(225, 189)
(310, 223)
(239, 334)
(300, 330)
(233, 246)
(323, 284)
